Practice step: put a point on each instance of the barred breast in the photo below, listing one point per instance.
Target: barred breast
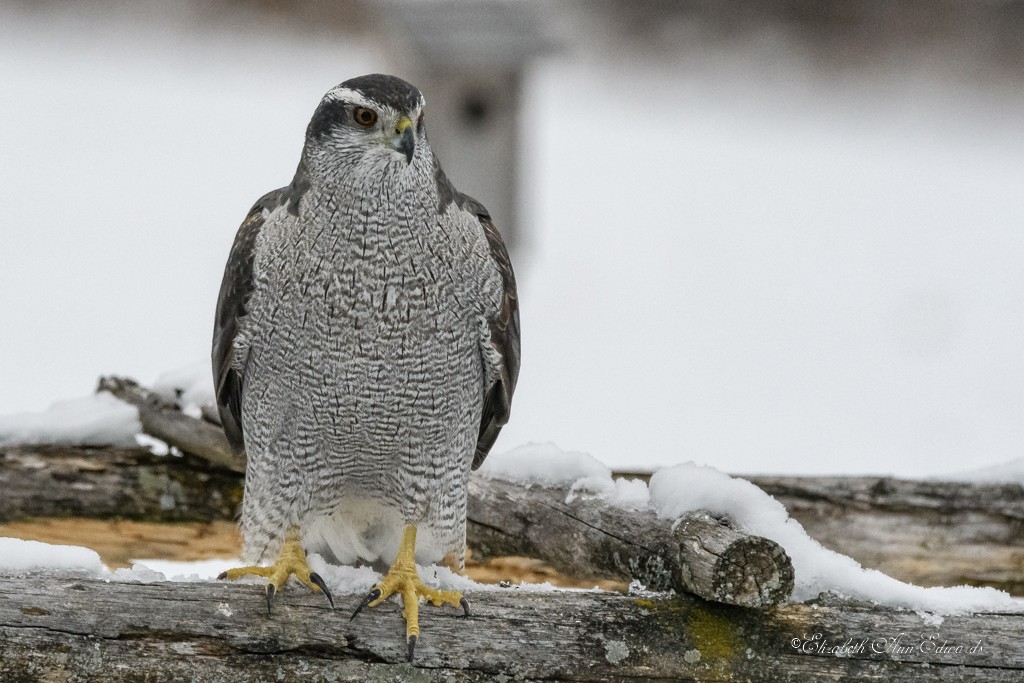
(365, 377)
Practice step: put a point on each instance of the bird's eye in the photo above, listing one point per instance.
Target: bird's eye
(364, 117)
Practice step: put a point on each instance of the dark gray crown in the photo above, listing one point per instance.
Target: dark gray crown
(388, 90)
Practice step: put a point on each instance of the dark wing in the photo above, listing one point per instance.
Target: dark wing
(504, 326)
(504, 338)
(234, 293)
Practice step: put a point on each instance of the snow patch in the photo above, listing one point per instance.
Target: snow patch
(629, 493)
(153, 444)
(190, 386)
(545, 464)
(444, 578)
(187, 572)
(683, 488)
(138, 573)
(548, 465)
(97, 420)
(17, 555)
(343, 579)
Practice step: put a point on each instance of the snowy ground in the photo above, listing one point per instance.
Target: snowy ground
(735, 258)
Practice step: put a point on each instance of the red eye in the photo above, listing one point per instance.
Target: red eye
(364, 117)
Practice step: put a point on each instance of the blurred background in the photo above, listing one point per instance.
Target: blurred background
(770, 236)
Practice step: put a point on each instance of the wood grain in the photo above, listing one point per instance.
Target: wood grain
(77, 629)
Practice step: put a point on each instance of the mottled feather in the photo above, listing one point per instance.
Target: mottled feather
(235, 289)
(504, 327)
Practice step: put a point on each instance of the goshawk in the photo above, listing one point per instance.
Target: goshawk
(365, 351)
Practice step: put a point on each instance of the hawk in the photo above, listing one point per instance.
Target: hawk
(365, 352)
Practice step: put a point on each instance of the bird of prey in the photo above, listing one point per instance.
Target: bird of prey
(365, 352)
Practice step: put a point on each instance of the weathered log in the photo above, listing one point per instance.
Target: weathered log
(928, 532)
(698, 553)
(925, 532)
(587, 538)
(76, 629)
(124, 483)
(166, 422)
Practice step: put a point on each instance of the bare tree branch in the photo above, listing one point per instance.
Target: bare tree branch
(166, 422)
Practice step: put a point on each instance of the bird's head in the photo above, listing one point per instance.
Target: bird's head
(373, 120)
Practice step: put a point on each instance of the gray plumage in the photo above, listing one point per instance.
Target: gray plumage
(366, 342)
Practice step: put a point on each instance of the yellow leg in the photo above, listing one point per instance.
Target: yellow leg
(402, 579)
(291, 562)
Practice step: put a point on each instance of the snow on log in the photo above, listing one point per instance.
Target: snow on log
(927, 532)
(56, 627)
(82, 628)
(697, 553)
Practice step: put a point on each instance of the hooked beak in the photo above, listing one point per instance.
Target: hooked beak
(404, 140)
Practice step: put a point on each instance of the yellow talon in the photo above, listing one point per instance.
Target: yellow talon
(291, 562)
(403, 579)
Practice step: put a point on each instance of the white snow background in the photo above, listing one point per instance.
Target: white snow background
(733, 257)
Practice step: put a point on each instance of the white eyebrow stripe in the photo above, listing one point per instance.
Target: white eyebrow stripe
(341, 94)
(346, 95)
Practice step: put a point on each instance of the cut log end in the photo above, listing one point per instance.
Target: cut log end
(720, 563)
(753, 572)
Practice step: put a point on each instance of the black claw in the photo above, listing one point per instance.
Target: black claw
(319, 583)
(374, 594)
(465, 605)
(412, 648)
(271, 589)
(222, 576)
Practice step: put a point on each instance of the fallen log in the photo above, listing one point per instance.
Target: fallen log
(697, 553)
(925, 532)
(931, 533)
(106, 483)
(928, 533)
(66, 627)
(81, 629)
(587, 537)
